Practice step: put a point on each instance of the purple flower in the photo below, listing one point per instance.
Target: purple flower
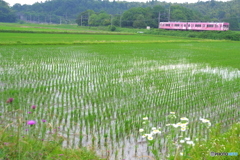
(43, 120)
(29, 112)
(10, 100)
(5, 143)
(31, 122)
(33, 107)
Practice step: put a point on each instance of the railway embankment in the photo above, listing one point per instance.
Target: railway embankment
(217, 35)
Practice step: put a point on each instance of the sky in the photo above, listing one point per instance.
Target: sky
(12, 2)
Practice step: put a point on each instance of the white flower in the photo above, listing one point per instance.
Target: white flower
(168, 124)
(153, 128)
(187, 139)
(149, 135)
(172, 112)
(182, 141)
(145, 118)
(183, 129)
(184, 119)
(150, 138)
(144, 136)
(179, 124)
(209, 124)
(175, 125)
(181, 153)
(156, 131)
(190, 142)
(141, 130)
(204, 120)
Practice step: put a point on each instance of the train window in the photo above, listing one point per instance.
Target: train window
(176, 25)
(197, 25)
(167, 24)
(189, 25)
(209, 25)
(184, 25)
(225, 26)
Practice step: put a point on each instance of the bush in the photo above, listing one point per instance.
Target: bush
(111, 28)
(21, 22)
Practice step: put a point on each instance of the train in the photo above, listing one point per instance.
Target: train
(195, 26)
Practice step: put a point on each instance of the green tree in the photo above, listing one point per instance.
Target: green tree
(83, 17)
(6, 14)
(139, 22)
(101, 19)
(132, 15)
(178, 15)
(234, 25)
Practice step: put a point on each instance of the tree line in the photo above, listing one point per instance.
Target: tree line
(138, 17)
(121, 13)
(6, 13)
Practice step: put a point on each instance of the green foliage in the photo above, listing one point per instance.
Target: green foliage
(218, 11)
(112, 28)
(101, 19)
(219, 143)
(139, 22)
(19, 146)
(83, 17)
(234, 25)
(6, 14)
(180, 13)
(126, 13)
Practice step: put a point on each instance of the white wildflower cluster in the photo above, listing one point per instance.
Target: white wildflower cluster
(150, 135)
(153, 131)
(206, 121)
(181, 142)
(183, 124)
(184, 121)
(187, 141)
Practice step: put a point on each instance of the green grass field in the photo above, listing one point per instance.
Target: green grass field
(95, 93)
(40, 38)
(44, 27)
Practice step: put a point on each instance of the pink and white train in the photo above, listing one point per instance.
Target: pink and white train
(196, 26)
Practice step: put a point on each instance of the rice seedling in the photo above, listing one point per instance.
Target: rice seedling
(101, 98)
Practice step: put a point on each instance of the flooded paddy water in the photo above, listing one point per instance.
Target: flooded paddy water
(98, 101)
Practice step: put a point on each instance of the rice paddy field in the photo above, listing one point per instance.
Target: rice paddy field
(108, 91)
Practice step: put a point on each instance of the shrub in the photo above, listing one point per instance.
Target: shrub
(111, 28)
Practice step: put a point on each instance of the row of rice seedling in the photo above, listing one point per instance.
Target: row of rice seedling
(99, 100)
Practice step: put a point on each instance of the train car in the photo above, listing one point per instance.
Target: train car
(196, 26)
